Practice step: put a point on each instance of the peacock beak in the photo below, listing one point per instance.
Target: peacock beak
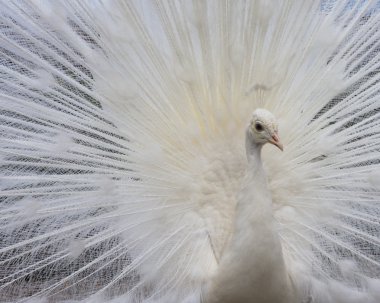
(275, 140)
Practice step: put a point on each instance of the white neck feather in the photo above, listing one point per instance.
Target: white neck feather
(252, 268)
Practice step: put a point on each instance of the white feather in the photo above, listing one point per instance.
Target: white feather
(122, 127)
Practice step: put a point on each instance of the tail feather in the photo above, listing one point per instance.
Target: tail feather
(122, 135)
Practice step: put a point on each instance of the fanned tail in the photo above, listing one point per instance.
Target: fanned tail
(122, 144)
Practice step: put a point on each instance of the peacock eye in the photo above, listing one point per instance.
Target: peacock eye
(259, 127)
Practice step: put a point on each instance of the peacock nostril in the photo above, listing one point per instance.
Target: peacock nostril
(275, 138)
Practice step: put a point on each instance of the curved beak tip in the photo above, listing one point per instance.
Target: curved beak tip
(280, 146)
(276, 141)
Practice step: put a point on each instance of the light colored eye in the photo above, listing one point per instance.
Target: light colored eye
(259, 127)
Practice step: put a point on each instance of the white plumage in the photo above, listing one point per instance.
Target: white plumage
(124, 174)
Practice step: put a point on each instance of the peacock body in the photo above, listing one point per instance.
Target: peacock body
(124, 171)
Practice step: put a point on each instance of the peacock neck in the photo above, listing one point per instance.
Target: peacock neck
(252, 268)
(254, 210)
(253, 151)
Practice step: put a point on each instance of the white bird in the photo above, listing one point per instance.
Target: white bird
(133, 169)
(248, 272)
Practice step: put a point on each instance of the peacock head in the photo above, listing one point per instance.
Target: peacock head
(263, 128)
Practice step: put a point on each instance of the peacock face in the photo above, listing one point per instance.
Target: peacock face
(264, 128)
